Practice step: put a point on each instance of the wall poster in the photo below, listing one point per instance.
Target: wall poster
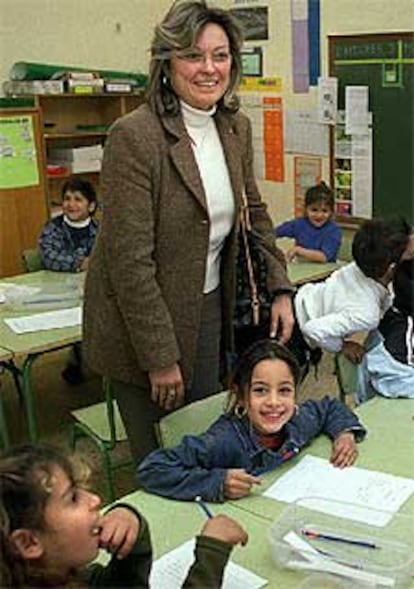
(18, 156)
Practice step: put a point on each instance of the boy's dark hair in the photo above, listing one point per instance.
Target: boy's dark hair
(266, 349)
(403, 284)
(77, 184)
(320, 193)
(379, 243)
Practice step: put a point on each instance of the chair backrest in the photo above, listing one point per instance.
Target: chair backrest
(345, 251)
(103, 419)
(347, 376)
(32, 260)
(194, 418)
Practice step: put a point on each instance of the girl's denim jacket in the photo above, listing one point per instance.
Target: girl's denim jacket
(198, 465)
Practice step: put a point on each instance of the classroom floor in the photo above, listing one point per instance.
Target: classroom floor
(55, 399)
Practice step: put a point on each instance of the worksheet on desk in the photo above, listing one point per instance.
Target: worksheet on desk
(364, 492)
(171, 570)
(45, 321)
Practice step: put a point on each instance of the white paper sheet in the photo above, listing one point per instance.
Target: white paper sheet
(171, 569)
(366, 490)
(44, 321)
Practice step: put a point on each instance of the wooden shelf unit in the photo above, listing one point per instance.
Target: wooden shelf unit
(78, 120)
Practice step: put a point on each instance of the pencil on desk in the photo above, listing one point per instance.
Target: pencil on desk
(334, 538)
(203, 506)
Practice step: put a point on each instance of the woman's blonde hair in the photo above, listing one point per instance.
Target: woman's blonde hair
(180, 30)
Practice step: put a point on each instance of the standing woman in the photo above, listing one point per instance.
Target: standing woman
(160, 288)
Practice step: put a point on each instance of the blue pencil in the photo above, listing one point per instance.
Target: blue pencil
(203, 506)
(333, 538)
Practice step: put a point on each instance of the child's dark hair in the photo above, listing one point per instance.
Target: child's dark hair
(379, 243)
(320, 193)
(266, 349)
(77, 184)
(403, 283)
(26, 481)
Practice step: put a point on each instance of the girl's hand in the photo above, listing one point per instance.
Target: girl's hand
(226, 529)
(167, 387)
(344, 450)
(238, 483)
(119, 531)
(290, 254)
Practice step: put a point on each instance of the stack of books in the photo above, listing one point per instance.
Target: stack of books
(17, 87)
(83, 83)
(77, 159)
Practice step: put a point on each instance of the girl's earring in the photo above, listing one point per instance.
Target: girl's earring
(296, 408)
(164, 80)
(240, 411)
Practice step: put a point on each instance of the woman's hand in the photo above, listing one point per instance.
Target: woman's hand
(226, 529)
(238, 483)
(119, 530)
(167, 387)
(344, 450)
(282, 319)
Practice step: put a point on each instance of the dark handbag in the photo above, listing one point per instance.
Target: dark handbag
(253, 301)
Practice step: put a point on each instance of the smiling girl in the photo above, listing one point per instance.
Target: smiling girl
(263, 428)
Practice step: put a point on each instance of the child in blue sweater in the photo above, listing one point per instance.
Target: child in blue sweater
(263, 428)
(317, 236)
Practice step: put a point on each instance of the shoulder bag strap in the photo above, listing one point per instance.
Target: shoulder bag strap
(245, 226)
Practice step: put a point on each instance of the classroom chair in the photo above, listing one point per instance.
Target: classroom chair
(346, 375)
(194, 418)
(102, 424)
(32, 260)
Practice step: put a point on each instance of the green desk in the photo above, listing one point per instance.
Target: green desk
(302, 272)
(29, 346)
(174, 522)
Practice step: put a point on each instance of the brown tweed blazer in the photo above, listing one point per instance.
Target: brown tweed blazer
(144, 285)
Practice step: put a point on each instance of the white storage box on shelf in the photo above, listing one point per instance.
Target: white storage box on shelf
(342, 550)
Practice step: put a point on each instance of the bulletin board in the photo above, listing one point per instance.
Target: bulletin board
(384, 63)
(23, 209)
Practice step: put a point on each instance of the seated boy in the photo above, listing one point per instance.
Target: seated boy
(387, 367)
(66, 240)
(65, 245)
(354, 298)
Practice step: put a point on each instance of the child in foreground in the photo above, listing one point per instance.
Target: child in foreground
(387, 368)
(51, 529)
(317, 236)
(262, 429)
(66, 240)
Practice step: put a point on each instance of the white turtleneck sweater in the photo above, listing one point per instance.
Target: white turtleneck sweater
(212, 166)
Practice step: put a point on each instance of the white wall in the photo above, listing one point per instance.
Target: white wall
(116, 34)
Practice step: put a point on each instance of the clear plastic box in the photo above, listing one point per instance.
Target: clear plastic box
(341, 549)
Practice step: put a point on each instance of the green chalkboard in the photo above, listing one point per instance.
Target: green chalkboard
(385, 63)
